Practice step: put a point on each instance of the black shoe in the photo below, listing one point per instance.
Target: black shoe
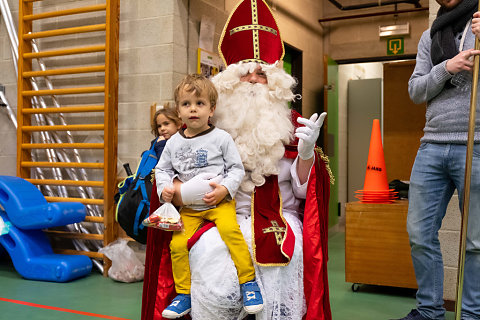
(413, 315)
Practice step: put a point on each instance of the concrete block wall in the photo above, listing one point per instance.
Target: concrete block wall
(214, 9)
(359, 37)
(449, 236)
(432, 11)
(158, 46)
(153, 51)
(8, 146)
(153, 57)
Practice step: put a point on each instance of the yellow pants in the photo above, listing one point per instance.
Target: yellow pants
(225, 218)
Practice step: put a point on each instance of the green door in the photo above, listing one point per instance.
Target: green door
(330, 141)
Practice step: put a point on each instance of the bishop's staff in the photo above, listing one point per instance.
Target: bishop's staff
(468, 176)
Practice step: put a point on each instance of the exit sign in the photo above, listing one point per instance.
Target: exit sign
(394, 46)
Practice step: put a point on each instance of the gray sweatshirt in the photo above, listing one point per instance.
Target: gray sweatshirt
(448, 107)
(212, 151)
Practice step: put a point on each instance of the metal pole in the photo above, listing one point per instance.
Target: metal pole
(94, 211)
(466, 188)
(10, 112)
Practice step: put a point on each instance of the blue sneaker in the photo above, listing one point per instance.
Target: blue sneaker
(252, 297)
(180, 306)
(413, 315)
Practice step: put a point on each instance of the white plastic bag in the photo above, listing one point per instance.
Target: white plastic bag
(169, 218)
(126, 267)
(4, 226)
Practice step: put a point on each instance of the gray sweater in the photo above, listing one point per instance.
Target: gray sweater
(212, 151)
(448, 107)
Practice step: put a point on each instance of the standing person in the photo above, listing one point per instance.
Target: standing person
(165, 123)
(282, 203)
(201, 149)
(442, 78)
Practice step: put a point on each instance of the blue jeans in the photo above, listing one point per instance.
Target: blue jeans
(438, 170)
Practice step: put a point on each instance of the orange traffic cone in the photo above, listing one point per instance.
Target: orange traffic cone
(375, 187)
(376, 174)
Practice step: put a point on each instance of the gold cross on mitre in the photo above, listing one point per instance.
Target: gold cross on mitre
(275, 228)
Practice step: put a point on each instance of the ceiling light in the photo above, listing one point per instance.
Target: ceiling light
(394, 30)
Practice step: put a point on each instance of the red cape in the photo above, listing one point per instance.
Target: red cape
(158, 286)
(315, 234)
(315, 243)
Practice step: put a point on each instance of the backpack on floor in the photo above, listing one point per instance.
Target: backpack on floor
(134, 197)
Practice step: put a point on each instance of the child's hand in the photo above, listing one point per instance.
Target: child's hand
(167, 194)
(219, 192)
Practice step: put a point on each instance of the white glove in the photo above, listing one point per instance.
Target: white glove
(193, 191)
(308, 135)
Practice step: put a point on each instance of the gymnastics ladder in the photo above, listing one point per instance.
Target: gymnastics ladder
(32, 15)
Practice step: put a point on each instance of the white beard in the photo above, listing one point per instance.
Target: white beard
(259, 121)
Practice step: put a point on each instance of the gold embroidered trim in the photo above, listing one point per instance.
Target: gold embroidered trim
(327, 163)
(286, 226)
(254, 12)
(254, 247)
(255, 60)
(256, 41)
(253, 27)
(256, 45)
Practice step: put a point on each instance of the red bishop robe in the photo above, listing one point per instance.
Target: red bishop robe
(159, 288)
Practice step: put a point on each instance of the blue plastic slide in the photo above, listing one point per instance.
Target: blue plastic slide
(26, 211)
(27, 208)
